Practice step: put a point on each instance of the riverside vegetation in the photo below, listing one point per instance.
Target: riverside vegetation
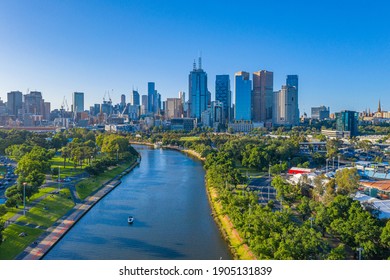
(90, 158)
(315, 223)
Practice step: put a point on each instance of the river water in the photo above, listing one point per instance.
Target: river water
(167, 197)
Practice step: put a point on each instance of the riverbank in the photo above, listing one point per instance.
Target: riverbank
(238, 248)
(52, 235)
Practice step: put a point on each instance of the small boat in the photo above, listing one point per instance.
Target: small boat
(130, 219)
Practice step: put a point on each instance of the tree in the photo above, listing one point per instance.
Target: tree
(385, 235)
(338, 253)
(347, 180)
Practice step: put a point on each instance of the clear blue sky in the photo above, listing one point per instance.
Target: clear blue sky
(339, 49)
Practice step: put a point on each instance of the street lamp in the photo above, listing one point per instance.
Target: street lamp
(338, 162)
(360, 250)
(24, 198)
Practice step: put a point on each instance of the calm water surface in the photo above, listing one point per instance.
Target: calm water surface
(167, 197)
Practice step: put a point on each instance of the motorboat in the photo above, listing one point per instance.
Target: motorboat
(130, 219)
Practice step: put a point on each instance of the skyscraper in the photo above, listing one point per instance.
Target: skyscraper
(78, 102)
(262, 96)
(286, 106)
(144, 104)
(242, 90)
(174, 108)
(223, 94)
(14, 102)
(134, 98)
(292, 81)
(198, 93)
(33, 103)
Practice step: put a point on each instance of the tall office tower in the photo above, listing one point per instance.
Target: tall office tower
(144, 104)
(198, 93)
(33, 103)
(96, 109)
(223, 94)
(173, 108)
(182, 96)
(123, 100)
(14, 102)
(78, 102)
(292, 81)
(286, 106)
(135, 98)
(151, 97)
(347, 121)
(262, 96)
(157, 104)
(242, 90)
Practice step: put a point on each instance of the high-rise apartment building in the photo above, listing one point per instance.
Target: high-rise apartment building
(78, 102)
(262, 96)
(14, 102)
(223, 94)
(242, 90)
(199, 96)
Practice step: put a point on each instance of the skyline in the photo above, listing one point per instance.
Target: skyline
(338, 50)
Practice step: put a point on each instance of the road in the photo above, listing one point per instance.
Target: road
(265, 191)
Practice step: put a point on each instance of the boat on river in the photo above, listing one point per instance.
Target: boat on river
(130, 219)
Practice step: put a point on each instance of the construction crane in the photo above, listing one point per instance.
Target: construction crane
(64, 103)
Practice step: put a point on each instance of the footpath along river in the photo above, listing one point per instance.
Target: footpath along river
(167, 197)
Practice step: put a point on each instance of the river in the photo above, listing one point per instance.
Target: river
(167, 197)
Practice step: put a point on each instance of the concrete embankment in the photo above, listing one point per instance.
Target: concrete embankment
(52, 235)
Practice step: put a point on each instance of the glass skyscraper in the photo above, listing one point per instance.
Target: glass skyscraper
(262, 96)
(78, 102)
(223, 94)
(243, 90)
(199, 95)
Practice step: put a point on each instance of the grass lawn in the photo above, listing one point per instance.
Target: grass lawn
(12, 211)
(13, 244)
(252, 172)
(69, 169)
(49, 210)
(189, 138)
(89, 185)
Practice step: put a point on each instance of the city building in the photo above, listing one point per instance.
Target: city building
(348, 121)
(14, 103)
(199, 96)
(33, 103)
(320, 113)
(224, 94)
(186, 124)
(78, 102)
(262, 96)
(135, 98)
(242, 91)
(144, 104)
(173, 108)
(241, 126)
(286, 110)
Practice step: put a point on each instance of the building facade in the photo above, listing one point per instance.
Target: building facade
(78, 102)
(242, 91)
(223, 94)
(348, 121)
(199, 95)
(262, 96)
(14, 102)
